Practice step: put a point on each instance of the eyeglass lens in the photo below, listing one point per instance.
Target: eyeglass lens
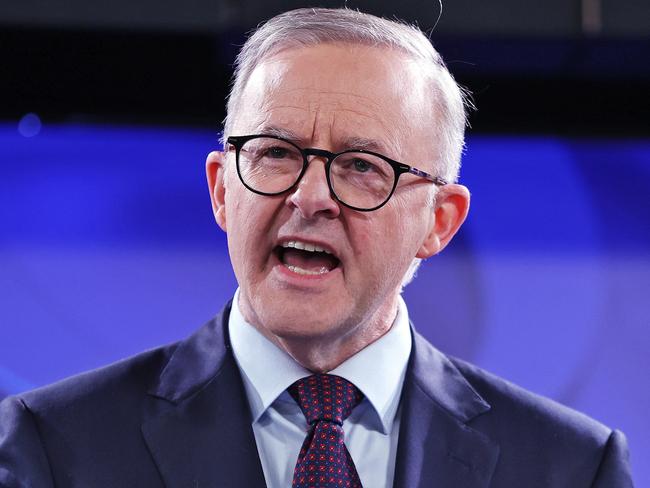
(271, 166)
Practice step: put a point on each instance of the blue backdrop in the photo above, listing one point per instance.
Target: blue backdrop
(108, 247)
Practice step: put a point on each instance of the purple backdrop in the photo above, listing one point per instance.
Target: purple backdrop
(108, 247)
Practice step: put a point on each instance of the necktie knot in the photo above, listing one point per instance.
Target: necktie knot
(325, 397)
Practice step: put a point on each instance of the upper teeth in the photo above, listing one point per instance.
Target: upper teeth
(304, 246)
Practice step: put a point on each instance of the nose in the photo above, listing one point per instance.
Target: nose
(312, 196)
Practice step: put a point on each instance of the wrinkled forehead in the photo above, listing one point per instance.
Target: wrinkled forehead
(376, 87)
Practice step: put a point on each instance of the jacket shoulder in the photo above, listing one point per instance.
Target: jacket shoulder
(538, 435)
(512, 404)
(52, 436)
(116, 384)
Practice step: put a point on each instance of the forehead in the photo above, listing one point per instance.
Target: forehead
(332, 92)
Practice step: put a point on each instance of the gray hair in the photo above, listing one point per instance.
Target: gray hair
(310, 26)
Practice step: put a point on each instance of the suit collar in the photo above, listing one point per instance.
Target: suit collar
(436, 445)
(198, 424)
(441, 381)
(195, 361)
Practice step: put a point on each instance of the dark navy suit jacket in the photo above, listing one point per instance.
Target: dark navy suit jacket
(177, 416)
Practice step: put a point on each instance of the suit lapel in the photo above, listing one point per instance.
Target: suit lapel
(198, 428)
(436, 446)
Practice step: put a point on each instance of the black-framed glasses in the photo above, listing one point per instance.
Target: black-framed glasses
(359, 179)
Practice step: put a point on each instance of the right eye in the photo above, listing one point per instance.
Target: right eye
(271, 151)
(276, 152)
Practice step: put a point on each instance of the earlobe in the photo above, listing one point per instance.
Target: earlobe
(214, 170)
(452, 206)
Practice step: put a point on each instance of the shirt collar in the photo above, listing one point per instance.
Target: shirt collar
(378, 370)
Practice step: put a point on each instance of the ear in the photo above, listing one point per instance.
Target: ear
(452, 205)
(214, 170)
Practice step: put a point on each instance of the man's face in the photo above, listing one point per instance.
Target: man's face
(330, 96)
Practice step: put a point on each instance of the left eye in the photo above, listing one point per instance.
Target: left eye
(361, 166)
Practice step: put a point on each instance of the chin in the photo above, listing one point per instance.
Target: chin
(302, 324)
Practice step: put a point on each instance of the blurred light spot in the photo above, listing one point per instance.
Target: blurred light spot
(29, 125)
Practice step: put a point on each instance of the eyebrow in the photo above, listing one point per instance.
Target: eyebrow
(353, 142)
(366, 144)
(272, 130)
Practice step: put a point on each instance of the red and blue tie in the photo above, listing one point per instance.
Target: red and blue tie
(324, 462)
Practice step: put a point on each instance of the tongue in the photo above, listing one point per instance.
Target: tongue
(310, 261)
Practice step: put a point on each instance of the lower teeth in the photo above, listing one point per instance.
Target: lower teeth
(302, 271)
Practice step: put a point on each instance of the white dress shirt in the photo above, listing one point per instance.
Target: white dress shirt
(279, 426)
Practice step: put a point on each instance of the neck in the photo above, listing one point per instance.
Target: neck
(323, 353)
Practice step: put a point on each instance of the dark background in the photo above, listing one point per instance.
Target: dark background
(108, 247)
(553, 66)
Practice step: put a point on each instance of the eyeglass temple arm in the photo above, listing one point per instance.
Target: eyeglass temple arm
(435, 179)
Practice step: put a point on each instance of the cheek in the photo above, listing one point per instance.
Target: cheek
(251, 218)
(240, 214)
(240, 203)
(415, 210)
(405, 230)
(379, 244)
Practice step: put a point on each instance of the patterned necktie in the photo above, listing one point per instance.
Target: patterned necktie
(324, 462)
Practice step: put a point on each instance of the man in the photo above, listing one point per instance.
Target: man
(342, 145)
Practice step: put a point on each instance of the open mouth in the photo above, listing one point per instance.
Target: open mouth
(306, 259)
